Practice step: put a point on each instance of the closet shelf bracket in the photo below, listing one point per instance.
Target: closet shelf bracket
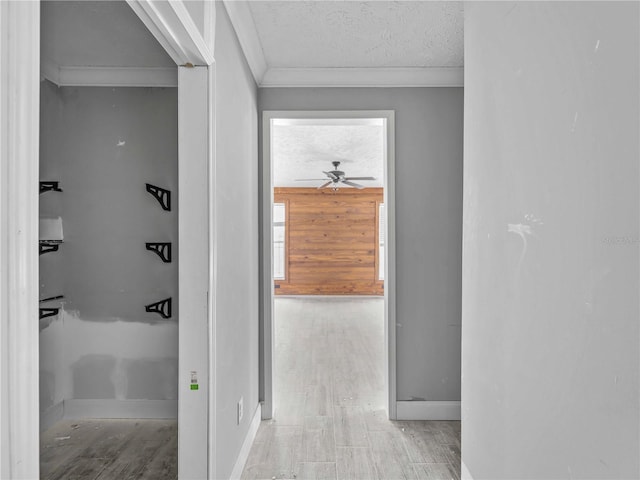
(46, 246)
(48, 186)
(162, 195)
(48, 312)
(162, 308)
(162, 249)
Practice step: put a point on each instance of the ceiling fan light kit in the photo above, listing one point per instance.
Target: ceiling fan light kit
(338, 178)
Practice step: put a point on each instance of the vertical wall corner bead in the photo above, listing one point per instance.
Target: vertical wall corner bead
(162, 308)
(162, 195)
(50, 187)
(162, 249)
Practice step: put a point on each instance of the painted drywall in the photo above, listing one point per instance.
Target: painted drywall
(550, 259)
(236, 264)
(103, 145)
(428, 223)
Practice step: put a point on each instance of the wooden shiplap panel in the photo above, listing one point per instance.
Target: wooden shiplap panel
(331, 241)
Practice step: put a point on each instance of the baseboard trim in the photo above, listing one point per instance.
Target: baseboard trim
(428, 410)
(51, 415)
(108, 408)
(464, 472)
(243, 456)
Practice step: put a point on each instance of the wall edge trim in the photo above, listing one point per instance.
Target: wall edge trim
(428, 410)
(112, 408)
(172, 25)
(242, 20)
(243, 456)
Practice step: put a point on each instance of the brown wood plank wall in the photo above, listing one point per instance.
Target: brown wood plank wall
(331, 241)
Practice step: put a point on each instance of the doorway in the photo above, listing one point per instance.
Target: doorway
(108, 302)
(278, 275)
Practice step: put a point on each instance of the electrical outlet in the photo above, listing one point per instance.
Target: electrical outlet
(240, 409)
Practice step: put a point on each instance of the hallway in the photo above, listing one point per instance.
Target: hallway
(329, 398)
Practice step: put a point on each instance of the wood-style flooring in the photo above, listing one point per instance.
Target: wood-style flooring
(329, 419)
(110, 450)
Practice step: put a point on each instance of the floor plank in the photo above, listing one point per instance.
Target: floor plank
(108, 449)
(329, 383)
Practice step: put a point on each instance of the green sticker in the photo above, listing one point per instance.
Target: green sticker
(194, 386)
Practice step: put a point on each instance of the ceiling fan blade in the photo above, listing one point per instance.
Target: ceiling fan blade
(351, 184)
(360, 178)
(308, 179)
(330, 175)
(325, 184)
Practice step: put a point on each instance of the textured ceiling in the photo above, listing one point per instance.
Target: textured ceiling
(360, 34)
(98, 34)
(304, 151)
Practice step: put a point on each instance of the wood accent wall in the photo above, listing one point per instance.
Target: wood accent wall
(331, 241)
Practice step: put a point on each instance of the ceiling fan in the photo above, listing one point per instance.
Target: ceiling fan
(337, 178)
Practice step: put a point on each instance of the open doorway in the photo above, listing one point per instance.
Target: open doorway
(108, 248)
(329, 262)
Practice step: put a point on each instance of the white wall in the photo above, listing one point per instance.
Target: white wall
(428, 223)
(550, 249)
(236, 203)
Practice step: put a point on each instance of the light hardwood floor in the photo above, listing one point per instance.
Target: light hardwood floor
(110, 450)
(329, 420)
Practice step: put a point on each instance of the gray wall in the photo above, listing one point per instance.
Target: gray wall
(236, 211)
(550, 260)
(103, 145)
(428, 223)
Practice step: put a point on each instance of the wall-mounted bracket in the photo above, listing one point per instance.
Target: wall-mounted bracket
(48, 299)
(162, 195)
(46, 246)
(48, 312)
(162, 308)
(50, 187)
(162, 249)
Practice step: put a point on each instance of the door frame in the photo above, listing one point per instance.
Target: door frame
(173, 27)
(267, 289)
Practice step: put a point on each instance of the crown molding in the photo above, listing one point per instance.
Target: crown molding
(364, 77)
(70, 76)
(170, 23)
(242, 20)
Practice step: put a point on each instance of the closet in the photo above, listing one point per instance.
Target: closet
(108, 240)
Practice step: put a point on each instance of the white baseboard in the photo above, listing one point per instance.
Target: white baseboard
(51, 416)
(108, 408)
(428, 410)
(248, 443)
(464, 473)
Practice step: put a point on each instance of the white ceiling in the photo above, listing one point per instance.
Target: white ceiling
(97, 34)
(369, 34)
(304, 149)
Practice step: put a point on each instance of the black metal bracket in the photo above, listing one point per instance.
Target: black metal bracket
(48, 246)
(48, 312)
(162, 308)
(57, 297)
(50, 187)
(162, 249)
(162, 195)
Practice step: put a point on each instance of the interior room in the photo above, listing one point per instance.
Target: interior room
(328, 177)
(137, 222)
(108, 243)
